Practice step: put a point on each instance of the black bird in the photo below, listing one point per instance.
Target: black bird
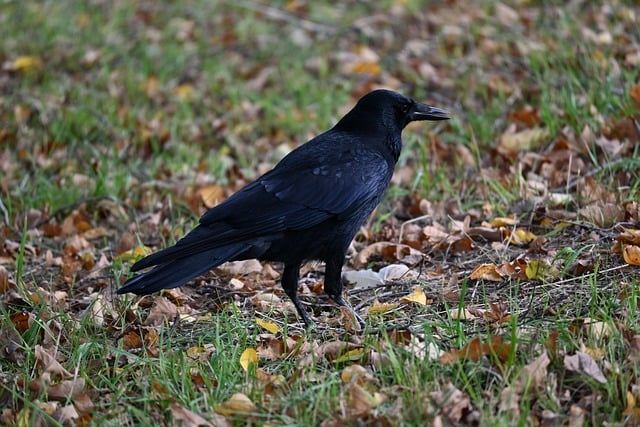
(308, 207)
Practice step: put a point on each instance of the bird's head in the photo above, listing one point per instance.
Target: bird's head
(389, 109)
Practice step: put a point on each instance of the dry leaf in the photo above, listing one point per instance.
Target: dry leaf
(631, 254)
(49, 364)
(416, 296)
(184, 417)
(525, 140)
(583, 363)
(237, 404)
(357, 374)
(354, 355)
(134, 254)
(269, 326)
(162, 311)
(534, 375)
(475, 349)
(450, 403)
(380, 308)
(486, 272)
(348, 320)
(66, 389)
(247, 358)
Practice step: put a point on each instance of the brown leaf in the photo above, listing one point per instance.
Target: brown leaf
(361, 403)
(634, 93)
(163, 310)
(211, 195)
(451, 403)
(631, 254)
(64, 390)
(49, 364)
(603, 215)
(237, 404)
(184, 417)
(583, 363)
(486, 272)
(534, 375)
(475, 349)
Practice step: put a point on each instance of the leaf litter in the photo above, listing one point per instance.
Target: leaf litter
(490, 267)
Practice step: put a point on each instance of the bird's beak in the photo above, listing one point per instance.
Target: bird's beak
(427, 112)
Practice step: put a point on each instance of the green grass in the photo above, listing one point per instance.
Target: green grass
(103, 119)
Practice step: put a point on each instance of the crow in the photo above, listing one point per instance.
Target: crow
(308, 207)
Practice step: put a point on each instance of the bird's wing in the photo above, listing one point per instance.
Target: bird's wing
(308, 187)
(304, 190)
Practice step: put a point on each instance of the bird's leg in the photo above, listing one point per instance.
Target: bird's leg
(289, 282)
(333, 286)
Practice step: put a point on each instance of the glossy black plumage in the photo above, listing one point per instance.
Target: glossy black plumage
(308, 207)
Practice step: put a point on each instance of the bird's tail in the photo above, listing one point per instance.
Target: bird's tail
(179, 271)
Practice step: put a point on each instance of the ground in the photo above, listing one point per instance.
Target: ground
(498, 278)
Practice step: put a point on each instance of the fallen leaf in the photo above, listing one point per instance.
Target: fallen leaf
(268, 325)
(65, 390)
(247, 358)
(462, 314)
(475, 349)
(486, 272)
(162, 311)
(521, 236)
(351, 356)
(348, 320)
(361, 402)
(380, 308)
(356, 374)
(633, 408)
(525, 140)
(49, 364)
(450, 403)
(583, 363)
(416, 296)
(27, 64)
(134, 254)
(237, 404)
(533, 375)
(631, 254)
(184, 417)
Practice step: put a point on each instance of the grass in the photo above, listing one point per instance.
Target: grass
(130, 108)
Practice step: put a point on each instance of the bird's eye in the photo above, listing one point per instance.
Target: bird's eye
(406, 108)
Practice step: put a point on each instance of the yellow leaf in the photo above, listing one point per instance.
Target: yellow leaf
(380, 308)
(350, 356)
(539, 269)
(248, 357)
(27, 64)
(536, 269)
(238, 402)
(503, 222)
(521, 236)
(524, 140)
(183, 91)
(416, 296)
(366, 67)
(269, 326)
(134, 254)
